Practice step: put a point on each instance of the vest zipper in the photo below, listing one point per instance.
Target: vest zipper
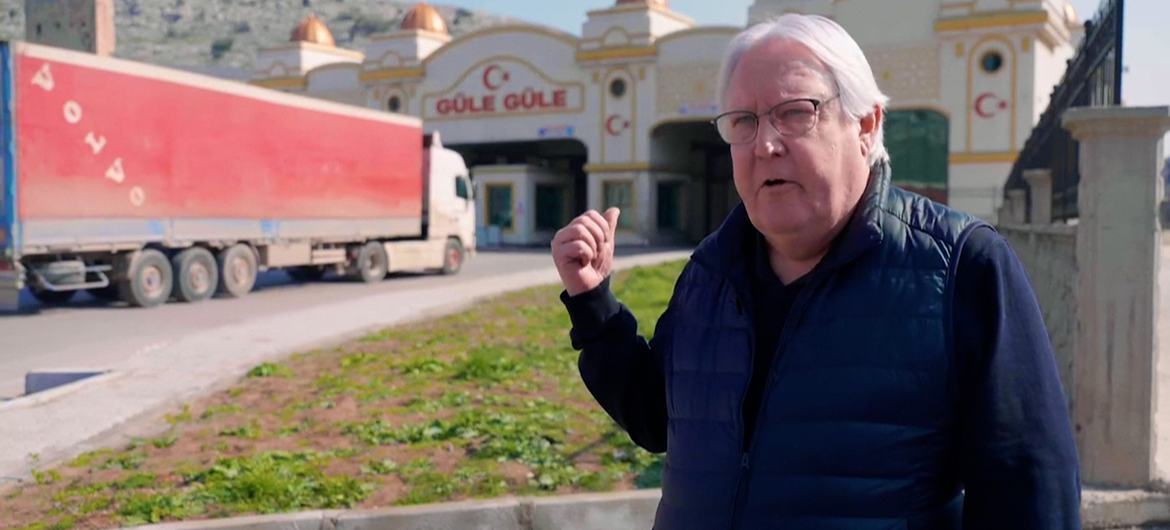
(773, 374)
(745, 458)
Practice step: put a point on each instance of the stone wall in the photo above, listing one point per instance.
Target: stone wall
(1049, 254)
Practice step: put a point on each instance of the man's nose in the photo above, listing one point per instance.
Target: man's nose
(768, 142)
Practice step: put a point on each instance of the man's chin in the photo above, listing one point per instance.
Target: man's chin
(781, 224)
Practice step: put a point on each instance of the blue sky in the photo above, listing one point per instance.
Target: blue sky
(1147, 81)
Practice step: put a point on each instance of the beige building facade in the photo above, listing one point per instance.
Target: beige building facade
(552, 123)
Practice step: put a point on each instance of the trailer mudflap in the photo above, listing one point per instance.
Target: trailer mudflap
(11, 283)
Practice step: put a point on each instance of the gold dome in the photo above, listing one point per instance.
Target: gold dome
(424, 17)
(313, 30)
(659, 3)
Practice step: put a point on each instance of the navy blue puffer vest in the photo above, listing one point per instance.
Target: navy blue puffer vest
(857, 425)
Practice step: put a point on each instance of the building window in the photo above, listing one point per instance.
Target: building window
(394, 104)
(670, 206)
(991, 62)
(617, 88)
(620, 193)
(917, 141)
(550, 206)
(499, 205)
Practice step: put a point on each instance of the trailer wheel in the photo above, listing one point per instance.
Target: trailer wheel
(307, 273)
(48, 297)
(371, 263)
(453, 256)
(196, 275)
(150, 279)
(237, 271)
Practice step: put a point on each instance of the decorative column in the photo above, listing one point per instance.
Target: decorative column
(1121, 381)
(1040, 180)
(1017, 206)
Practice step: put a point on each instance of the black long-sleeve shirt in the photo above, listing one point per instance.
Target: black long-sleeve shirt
(1018, 458)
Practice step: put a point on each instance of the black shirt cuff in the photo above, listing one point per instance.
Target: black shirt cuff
(591, 310)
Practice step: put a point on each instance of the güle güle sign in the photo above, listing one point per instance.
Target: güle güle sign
(503, 87)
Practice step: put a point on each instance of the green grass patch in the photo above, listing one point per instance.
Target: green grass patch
(88, 458)
(483, 403)
(251, 431)
(487, 365)
(422, 366)
(269, 370)
(164, 442)
(380, 467)
(129, 460)
(183, 416)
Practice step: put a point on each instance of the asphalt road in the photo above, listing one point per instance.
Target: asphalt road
(89, 334)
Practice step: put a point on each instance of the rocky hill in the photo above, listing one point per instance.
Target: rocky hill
(221, 37)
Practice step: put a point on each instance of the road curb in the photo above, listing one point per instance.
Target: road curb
(596, 511)
(51, 394)
(1100, 510)
(586, 511)
(313, 520)
(507, 513)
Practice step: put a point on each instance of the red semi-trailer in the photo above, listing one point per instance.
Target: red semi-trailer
(150, 184)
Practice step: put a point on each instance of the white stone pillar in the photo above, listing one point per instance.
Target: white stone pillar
(1040, 180)
(1121, 372)
(1003, 214)
(1017, 202)
(593, 190)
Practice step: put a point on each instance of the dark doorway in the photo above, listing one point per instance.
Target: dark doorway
(694, 149)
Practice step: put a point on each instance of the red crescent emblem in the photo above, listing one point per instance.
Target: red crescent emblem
(996, 104)
(614, 125)
(487, 77)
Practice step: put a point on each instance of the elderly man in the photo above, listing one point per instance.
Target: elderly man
(839, 354)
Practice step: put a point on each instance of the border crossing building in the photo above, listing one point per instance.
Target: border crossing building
(553, 123)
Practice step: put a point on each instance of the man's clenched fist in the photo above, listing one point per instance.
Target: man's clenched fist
(583, 250)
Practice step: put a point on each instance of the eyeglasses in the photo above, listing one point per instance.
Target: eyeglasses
(795, 117)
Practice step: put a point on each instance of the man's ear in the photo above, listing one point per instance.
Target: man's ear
(869, 128)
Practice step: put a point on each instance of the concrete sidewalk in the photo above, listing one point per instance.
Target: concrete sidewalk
(129, 401)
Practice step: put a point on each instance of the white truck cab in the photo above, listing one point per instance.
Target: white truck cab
(449, 213)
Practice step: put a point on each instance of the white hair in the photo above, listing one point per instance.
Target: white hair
(846, 64)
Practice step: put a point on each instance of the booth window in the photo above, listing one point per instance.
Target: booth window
(550, 206)
(620, 193)
(669, 205)
(499, 205)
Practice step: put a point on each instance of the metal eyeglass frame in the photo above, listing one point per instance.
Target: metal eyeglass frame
(816, 103)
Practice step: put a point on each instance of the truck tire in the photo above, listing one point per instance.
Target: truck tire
(237, 271)
(306, 273)
(371, 263)
(48, 297)
(196, 275)
(149, 281)
(453, 256)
